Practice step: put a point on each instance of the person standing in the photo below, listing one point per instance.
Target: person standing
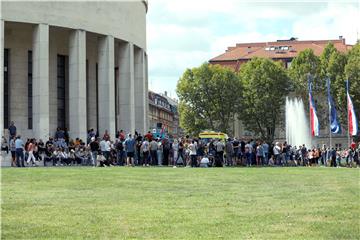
(192, 148)
(120, 153)
(145, 150)
(166, 151)
(19, 145)
(265, 147)
(94, 148)
(105, 147)
(130, 149)
(175, 149)
(30, 150)
(12, 130)
(160, 153)
(219, 153)
(13, 151)
(236, 147)
(259, 155)
(229, 150)
(248, 152)
(276, 151)
(153, 152)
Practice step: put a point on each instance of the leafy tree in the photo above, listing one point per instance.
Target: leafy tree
(333, 67)
(265, 86)
(352, 72)
(209, 97)
(301, 66)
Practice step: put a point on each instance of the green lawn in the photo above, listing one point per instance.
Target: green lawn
(182, 203)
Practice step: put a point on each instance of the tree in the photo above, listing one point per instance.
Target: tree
(209, 97)
(302, 65)
(265, 86)
(352, 72)
(332, 66)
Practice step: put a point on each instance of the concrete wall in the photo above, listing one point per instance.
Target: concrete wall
(119, 22)
(124, 20)
(18, 38)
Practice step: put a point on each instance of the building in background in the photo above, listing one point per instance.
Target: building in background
(75, 65)
(284, 51)
(281, 50)
(163, 114)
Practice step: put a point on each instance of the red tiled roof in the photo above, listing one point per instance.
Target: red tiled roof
(245, 51)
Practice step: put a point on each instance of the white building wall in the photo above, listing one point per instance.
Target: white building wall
(122, 21)
(91, 55)
(18, 38)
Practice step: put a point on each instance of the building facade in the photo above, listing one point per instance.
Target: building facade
(163, 114)
(283, 51)
(75, 65)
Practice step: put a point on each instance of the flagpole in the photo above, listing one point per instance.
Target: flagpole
(309, 88)
(347, 111)
(330, 133)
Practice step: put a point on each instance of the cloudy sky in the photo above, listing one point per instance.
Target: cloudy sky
(185, 33)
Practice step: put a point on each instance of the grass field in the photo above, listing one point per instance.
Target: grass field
(182, 203)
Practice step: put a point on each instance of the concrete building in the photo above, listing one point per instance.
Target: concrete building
(78, 65)
(163, 113)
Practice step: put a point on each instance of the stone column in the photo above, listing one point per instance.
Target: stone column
(146, 69)
(106, 85)
(41, 81)
(77, 85)
(126, 97)
(2, 39)
(140, 92)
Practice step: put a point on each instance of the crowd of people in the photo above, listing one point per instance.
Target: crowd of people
(138, 150)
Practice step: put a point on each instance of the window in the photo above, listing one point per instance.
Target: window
(30, 91)
(288, 64)
(6, 88)
(61, 91)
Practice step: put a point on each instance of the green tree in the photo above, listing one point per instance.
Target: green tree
(352, 72)
(333, 67)
(301, 66)
(265, 86)
(209, 97)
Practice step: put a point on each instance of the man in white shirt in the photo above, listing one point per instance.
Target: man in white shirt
(192, 148)
(105, 147)
(276, 151)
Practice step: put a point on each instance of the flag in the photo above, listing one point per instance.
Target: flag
(314, 121)
(352, 124)
(334, 123)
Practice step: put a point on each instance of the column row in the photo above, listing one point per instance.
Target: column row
(131, 86)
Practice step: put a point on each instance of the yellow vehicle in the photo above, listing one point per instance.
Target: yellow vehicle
(208, 135)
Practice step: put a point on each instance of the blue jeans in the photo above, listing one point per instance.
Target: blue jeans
(248, 159)
(266, 158)
(20, 157)
(120, 158)
(94, 158)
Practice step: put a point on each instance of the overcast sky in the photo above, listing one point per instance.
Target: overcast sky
(185, 33)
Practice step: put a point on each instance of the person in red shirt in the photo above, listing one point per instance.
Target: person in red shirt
(353, 145)
(149, 136)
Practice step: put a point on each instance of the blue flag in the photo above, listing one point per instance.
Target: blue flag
(334, 123)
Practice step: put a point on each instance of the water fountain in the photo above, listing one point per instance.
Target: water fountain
(297, 124)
